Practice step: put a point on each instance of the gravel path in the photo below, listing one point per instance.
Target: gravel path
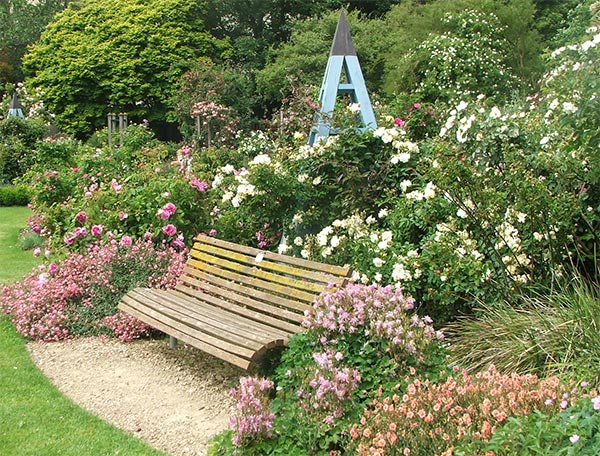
(176, 400)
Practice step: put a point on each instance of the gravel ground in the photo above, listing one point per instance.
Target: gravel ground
(176, 400)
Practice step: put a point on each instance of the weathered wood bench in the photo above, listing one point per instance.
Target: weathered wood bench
(235, 302)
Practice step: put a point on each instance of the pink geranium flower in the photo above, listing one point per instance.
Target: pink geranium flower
(125, 241)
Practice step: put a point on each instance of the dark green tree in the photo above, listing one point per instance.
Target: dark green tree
(22, 23)
(109, 55)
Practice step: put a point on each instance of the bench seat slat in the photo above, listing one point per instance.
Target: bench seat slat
(219, 322)
(245, 347)
(196, 340)
(204, 331)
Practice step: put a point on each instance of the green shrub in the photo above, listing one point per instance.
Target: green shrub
(573, 431)
(18, 137)
(14, 195)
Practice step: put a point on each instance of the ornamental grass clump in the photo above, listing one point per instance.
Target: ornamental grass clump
(75, 296)
(432, 418)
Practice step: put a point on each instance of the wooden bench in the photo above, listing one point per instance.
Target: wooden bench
(235, 302)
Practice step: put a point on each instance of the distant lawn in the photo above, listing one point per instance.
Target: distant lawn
(35, 418)
(14, 261)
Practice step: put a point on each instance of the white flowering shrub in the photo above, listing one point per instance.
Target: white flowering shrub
(503, 198)
(469, 58)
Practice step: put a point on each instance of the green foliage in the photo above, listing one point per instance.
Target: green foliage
(466, 60)
(553, 16)
(111, 55)
(575, 20)
(420, 30)
(253, 26)
(18, 137)
(30, 240)
(14, 195)
(23, 23)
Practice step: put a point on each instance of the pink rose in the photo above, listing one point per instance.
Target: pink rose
(169, 230)
(81, 217)
(97, 230)
(199, 185)
(167, 211)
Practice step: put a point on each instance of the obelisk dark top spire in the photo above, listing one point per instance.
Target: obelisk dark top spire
(342, 41)
(14, 103)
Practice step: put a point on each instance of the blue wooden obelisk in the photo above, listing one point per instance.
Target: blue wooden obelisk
(342, 58)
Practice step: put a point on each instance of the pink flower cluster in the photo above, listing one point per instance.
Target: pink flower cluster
(376, 311)
(201, 186)
(126, 327)
(254, 419)
(329, 387)
(431, 418)
(45, 304)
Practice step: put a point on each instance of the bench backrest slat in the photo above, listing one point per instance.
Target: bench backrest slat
(291, 298)
(279, 265)
(196, 278)
(301, 263)
(255, 277)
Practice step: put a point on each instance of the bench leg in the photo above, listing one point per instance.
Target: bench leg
(172, 342)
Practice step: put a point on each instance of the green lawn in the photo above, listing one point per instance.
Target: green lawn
(14, 261)
(36, 419)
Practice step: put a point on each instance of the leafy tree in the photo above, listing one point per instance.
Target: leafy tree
(110, 55)
(254, 25)
(552, 15)
(24, 21)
